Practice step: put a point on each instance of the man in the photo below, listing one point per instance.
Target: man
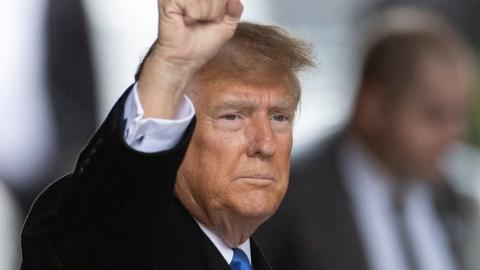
(151, 191)
(375, 196)
(48, 59)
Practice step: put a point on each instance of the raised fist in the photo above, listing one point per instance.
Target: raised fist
(192, 31)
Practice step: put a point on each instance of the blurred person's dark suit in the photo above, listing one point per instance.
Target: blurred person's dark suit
(71, 78)
(69, 88)
(350, 197)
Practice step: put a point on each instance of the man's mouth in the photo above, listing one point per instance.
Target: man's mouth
(257, 179)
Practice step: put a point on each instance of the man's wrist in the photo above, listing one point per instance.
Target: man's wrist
(153, 134)
(162, 84)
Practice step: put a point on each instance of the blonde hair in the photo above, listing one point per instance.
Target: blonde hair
(258, 53)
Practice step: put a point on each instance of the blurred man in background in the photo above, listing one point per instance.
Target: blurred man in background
(376, 196)
(48, 92)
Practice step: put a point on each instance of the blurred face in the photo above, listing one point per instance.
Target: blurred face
(237, 163)
(426, 120)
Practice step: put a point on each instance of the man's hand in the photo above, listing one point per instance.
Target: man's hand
(190, 33)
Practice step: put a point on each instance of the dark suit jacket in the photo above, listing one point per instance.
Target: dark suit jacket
(117, 210)
(315, 227)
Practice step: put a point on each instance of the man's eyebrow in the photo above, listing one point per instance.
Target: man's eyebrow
(289, 104)
(244, 104)
(234, 104)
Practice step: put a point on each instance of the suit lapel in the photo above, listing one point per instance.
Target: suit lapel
(339, 232)
(347, 227)
(259, 261)
(200, 248)
(201, 252)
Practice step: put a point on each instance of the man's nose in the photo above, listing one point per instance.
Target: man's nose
(261, 138)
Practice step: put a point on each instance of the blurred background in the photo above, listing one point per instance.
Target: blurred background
(65, 62)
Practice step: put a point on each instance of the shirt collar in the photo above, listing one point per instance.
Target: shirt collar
(222, 247)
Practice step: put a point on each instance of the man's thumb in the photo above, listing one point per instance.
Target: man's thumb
(234, 10)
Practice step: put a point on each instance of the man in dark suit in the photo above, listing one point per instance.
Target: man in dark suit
(158, 189)
(375, 197)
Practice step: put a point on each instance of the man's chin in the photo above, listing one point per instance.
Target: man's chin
(258, 206)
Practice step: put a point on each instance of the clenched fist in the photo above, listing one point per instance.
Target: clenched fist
(190, 33)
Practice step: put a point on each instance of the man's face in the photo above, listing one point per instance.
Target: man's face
(238, 160)
(426, 120)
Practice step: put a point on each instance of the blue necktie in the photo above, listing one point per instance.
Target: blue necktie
(240, 260)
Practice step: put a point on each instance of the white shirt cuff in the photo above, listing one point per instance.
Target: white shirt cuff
(150, 135)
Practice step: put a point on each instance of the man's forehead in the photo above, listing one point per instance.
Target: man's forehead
(247, 95)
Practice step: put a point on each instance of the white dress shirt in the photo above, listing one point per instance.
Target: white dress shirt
(224, 249)
(150, 135)
(370, 188)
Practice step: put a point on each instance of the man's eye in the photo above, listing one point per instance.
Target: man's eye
(230, 117)
(280, 117)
